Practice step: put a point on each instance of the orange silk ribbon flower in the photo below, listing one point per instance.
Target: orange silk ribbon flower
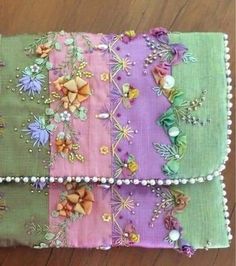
(64, 145)
(75, 90)
(43, 50)
(80, 201)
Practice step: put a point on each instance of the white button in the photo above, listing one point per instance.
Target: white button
(173, 131)
(174, 235)
(168, 82)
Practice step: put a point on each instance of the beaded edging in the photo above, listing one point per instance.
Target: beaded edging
(225, 209)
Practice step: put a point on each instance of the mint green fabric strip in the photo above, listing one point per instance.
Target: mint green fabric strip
(206, 145)
(203, 219)
(16, 158)
(24, 210)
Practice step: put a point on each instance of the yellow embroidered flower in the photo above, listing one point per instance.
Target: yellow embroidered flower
(130, 94)
(106, 217)
(130, 33)
(104, 76)
(131, 234)
(134, 237)
(133, 93)
(104, 150)
(133, 166)
(128, 36)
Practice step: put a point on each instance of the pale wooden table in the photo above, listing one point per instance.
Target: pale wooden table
(21, 16)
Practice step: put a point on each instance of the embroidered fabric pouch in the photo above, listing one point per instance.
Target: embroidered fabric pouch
(130, 132)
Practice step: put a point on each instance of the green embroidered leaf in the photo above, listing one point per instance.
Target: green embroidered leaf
(50, 127)
(169, 152)
(131, 158)
(80, 57)
(41, 120)
(49, 111)
(81, 113)
(68, 41)
(49, 236)
(188, 57)
(57, 118)
(49, 65)
(79, 53)
(39, 61)
(40, 76)
(49, 43)
(27, 71)
(171, 168)
(57, 46)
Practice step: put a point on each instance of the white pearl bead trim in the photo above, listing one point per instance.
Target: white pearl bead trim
(110, 180)
(226, 210)
(229, 97)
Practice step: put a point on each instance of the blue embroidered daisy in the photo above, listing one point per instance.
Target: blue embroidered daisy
(39, 131)
(31, 80)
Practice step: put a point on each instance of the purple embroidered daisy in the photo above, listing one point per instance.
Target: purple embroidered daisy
(39, 185)
(39, 131)
(31, 80)
(186, 248)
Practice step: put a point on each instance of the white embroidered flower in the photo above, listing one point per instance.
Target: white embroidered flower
(65, 116)
(34, 68)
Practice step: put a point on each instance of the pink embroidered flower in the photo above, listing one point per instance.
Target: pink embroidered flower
(171, 222)
(178, 50)
(162, 69)
(161, 34)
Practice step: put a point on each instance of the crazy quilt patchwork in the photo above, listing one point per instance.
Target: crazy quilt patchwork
(128, 132)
